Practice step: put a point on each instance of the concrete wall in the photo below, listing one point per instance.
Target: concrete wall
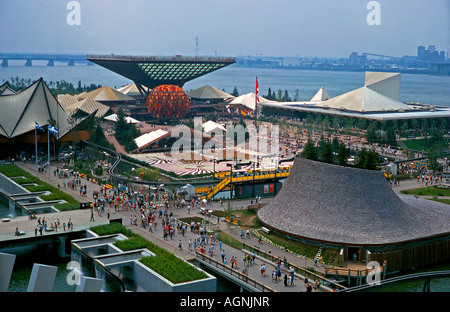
(152, 281)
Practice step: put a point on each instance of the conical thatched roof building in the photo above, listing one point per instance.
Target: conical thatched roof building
(344, 206)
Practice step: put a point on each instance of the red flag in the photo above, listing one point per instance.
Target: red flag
(257, 90)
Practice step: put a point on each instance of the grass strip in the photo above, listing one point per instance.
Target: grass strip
(14, 171)
(164, 263)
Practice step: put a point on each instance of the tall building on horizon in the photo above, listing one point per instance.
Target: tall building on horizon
(430, 54)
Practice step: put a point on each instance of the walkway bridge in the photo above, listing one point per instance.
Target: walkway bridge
(70, 59)
(245, 176)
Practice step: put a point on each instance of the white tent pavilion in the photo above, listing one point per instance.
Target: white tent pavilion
(150, 137)
(247, 101)
(208, 92)
(113, 118)
(210, 126)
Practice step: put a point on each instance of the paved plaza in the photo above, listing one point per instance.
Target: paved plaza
(81, 219)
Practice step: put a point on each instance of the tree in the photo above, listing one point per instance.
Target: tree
(125, 132)
(343, 153)
(280, 95)
(371, 135)
(326, 153)
(235, 92)
(367, 160)
(297, 95)
(151, 175)
(286, 97)
(310, 151)
(389, 137)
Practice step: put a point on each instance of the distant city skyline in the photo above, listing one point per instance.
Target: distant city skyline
(323, 28)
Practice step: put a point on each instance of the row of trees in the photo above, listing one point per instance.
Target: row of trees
(280, 95)
(335, 152)
(62, 86)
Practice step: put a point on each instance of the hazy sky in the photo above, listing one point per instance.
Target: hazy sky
(324, 28)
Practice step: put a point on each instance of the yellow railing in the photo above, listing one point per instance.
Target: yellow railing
(219, 187)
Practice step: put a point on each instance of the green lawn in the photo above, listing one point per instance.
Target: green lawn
(428, 191)
(165, 263)
(418, 144)
(14, 171)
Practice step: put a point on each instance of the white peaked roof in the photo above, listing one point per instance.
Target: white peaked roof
(210, 126)
(320, 96)
(149, 138)
(384, 83)
(363, 100)
(247, 100)
(381, 93)
(106, 94)
(131, 90)
(20, 112)
(128, 119)
(209, 92)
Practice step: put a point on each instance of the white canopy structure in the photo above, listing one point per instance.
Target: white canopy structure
(208, 92)
(149, 138)
(321, 96)
(381, 92)
(378, 99)
(36, 104)
(113, 118)
(210, 126)
(106, 94)
(247, 100)
(131, 90)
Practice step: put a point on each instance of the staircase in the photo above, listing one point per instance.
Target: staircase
(219, 187)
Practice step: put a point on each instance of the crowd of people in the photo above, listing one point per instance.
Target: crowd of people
(44, 226)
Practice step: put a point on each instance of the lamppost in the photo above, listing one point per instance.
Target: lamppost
(231, 179)
(214, 169)
(253, 183)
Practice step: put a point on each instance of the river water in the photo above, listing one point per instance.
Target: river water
(414, 87)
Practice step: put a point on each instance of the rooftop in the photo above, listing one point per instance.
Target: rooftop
(152, 71)
(350, 206)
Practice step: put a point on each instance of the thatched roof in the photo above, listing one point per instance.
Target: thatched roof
(350, 206)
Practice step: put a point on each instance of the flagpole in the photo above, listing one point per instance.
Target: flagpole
(256, 104)
(48, 144)
(35, 143)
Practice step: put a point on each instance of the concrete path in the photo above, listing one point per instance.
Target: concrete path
(81, 218)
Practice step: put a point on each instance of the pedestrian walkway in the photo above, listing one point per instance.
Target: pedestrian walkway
(156, 236)
(82, 217)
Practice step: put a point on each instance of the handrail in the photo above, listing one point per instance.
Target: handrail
(219, 187)
(344, 271)
(296, 268)
(400, 279)
(233, 272)
(161, 58)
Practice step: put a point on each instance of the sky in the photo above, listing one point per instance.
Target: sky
(306, 28)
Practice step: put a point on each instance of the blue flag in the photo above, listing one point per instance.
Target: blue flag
(39, 127)
(52, 130)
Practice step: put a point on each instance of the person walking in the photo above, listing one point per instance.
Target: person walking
(92, 215)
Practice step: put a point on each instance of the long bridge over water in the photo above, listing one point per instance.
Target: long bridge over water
(51, 58)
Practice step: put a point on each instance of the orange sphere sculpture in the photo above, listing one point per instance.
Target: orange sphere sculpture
(168, 101)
